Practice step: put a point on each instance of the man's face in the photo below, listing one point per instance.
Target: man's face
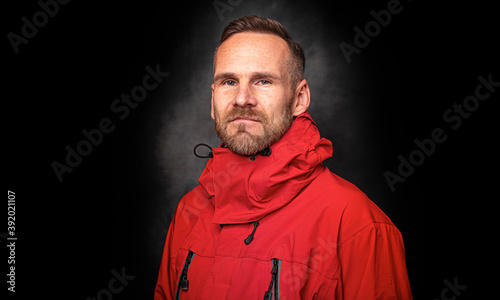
(252, 101)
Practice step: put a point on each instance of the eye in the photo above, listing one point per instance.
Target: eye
(229, 82)
(264, 82)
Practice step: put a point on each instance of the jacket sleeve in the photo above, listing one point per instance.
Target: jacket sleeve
(373, 264)
(166, 286)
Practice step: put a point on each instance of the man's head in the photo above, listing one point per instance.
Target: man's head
(258, 84)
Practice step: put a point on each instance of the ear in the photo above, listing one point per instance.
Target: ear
(302, 98)
(212, 112)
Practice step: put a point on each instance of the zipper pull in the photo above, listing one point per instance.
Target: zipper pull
(249, 239)
(184, 284)
(268, 295)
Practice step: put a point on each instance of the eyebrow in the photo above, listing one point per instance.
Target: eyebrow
(225, 75)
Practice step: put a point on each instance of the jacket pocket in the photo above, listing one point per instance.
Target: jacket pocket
(183, 283)
(273, 292)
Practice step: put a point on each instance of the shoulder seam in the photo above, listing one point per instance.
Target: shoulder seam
(359, 231)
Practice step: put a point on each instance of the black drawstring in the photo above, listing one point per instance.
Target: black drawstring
(249, 239)
(265, 152)
(210, 154)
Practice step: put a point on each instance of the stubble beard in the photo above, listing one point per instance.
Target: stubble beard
(244, 143)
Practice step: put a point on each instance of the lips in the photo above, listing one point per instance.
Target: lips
(244, 119)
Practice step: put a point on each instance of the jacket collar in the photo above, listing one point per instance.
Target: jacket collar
(243, 191)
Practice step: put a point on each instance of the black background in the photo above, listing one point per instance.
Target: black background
(113, 210)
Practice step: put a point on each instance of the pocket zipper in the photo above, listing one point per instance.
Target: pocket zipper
(183, 284)
(273, 291)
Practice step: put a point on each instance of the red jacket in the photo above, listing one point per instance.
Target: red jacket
(281, 226)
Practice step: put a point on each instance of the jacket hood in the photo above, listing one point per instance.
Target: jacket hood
(243, 190)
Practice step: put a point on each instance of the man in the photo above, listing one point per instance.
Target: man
(268, 220)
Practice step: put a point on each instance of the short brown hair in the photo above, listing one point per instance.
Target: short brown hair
(296, 65)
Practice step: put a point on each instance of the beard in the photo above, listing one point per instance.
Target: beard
(243, 142)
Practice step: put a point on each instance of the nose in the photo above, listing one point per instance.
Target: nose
(245, 96)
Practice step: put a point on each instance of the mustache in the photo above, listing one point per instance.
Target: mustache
(244, 113)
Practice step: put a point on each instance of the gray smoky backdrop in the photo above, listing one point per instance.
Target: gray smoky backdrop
(347, 102)
(342, 102)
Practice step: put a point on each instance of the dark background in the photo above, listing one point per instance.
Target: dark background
(113, 210)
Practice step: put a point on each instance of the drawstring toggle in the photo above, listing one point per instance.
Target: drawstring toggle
(249, 239)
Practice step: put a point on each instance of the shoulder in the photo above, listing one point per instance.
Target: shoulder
(197, 197)
(341, 199)
(194, 205)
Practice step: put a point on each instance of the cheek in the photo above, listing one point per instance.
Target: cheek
(217, 107)
(221, 101)
(276, 107)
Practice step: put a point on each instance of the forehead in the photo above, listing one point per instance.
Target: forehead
(248, 52)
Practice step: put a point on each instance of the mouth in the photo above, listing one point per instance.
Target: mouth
(244, 119)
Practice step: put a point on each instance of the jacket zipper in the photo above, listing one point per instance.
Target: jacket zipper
(183, 284)
(273, 291)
